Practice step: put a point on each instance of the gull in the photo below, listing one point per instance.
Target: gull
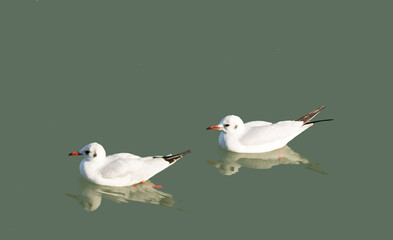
(261, 136)
(122, 169)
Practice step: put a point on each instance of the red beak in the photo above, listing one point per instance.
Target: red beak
(74, 154)
(213, 127)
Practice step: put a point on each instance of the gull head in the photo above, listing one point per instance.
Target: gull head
(91, 151)
(229, 124)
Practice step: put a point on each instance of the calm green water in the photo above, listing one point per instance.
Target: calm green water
(149, 77)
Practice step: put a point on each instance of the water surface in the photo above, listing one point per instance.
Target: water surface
(149, 77)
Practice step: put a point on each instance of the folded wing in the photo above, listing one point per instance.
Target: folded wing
(279, 131)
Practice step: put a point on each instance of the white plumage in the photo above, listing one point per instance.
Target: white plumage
(122, 169)
(260, 136)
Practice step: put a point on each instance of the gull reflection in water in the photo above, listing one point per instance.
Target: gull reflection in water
(231, 162)
(91, 195)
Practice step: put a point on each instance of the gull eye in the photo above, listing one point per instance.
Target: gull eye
(226, 125)
(87, 152)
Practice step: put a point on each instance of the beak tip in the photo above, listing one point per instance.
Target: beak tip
(74, 154)
(213, 127)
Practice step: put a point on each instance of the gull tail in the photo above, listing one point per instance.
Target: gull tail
(306, 118)
(171, 158)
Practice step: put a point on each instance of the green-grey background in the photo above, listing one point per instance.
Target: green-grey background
(148, 77)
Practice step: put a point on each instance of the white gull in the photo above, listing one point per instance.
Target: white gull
(261, 136)
(122, 169)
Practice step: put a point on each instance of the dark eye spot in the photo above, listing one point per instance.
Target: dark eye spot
(87, 152)
(95, 155)
(235, 126)
(226, 125)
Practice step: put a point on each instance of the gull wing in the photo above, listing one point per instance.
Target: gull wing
(139, 168)
(256, 135)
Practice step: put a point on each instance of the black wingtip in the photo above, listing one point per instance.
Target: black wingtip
(317, 121)
(173, 158)
(306, 118)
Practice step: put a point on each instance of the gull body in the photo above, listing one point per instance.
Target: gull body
(122, 169)
(261, 136)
